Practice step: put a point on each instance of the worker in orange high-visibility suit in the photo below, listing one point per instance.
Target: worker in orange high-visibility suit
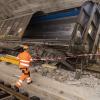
(24, 63)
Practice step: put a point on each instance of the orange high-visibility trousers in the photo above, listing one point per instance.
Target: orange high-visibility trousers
(25, 76)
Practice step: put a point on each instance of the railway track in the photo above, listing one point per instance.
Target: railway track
(8, 93)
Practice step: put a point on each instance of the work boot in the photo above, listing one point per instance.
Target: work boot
(16, 88)
(30, 82)
(34, 98)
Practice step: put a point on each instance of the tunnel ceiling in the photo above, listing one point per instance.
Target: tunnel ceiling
(10, 8)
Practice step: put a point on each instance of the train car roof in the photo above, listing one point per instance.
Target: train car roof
(12, 8)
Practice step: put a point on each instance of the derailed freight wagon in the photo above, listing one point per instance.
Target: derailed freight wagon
(64, 34)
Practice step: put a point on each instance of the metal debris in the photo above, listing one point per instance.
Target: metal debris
(87, 79)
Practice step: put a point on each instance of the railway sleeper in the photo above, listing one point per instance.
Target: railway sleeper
(7, 92)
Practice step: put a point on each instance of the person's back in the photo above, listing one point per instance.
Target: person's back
(24, 59)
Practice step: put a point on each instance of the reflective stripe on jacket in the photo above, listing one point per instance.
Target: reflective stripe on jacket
(24, 59)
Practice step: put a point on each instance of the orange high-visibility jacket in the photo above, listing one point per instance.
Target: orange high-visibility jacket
(24, 59)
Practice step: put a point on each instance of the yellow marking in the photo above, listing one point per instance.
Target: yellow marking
(10, 59)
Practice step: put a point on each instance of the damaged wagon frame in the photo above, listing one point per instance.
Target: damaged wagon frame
(64, 34)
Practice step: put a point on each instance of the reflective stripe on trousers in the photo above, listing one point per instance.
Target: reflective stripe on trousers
(19, 83)
(28, 80)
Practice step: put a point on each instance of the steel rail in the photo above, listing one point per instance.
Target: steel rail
(14, 93)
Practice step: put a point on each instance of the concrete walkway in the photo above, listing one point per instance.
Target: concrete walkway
(48, 89)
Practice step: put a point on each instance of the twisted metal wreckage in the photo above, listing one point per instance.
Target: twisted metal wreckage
(69, 37)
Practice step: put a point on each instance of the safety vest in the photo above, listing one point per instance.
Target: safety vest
(24, 59)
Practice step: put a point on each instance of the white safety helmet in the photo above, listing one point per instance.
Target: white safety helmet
(25, 47)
